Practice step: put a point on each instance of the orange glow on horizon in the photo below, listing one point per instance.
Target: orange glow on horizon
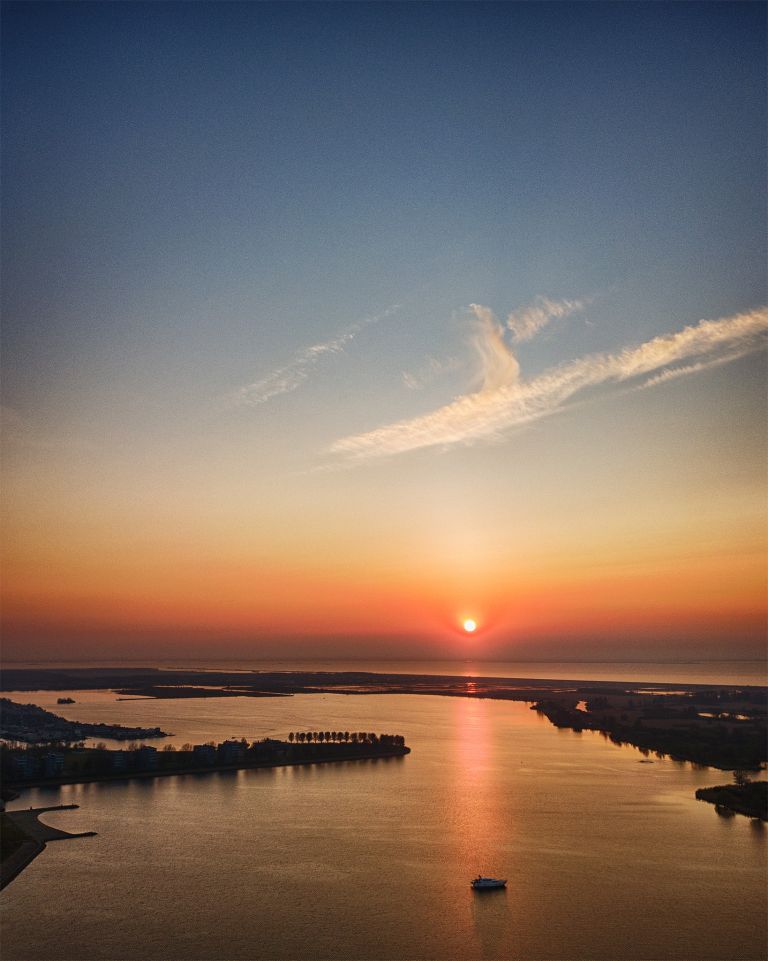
(62, 592)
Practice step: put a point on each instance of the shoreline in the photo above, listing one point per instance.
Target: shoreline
(197, 769)
(18, 860)
(36, 835)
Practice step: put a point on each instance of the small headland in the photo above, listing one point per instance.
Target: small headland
(750, 799)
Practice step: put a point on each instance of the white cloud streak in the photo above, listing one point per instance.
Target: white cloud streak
(672, 373)
(526, 322)
(292, 375)
(505, 401)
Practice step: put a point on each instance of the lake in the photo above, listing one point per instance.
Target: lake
(606, 858)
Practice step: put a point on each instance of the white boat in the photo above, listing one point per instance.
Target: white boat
(487, 884)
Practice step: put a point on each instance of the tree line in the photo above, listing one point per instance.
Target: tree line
(346, 737)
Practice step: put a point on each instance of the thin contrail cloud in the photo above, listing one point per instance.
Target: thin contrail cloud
(297, 371)
(526, 322)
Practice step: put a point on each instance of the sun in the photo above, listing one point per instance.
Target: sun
(469, 625)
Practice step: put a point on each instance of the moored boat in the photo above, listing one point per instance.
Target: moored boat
(488, 884)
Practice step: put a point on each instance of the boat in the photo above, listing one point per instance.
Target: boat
(488, 884)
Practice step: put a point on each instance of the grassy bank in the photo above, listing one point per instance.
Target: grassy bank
(11, 837)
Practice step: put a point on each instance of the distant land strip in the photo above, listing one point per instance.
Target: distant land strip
(299, 682)
(715, 725)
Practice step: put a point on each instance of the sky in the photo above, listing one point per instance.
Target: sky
(329, 326)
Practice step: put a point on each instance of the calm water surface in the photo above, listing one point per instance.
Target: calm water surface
(607, 858)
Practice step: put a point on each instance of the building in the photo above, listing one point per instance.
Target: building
(146, 758)
(53, 764)
(204, 754)
(231, 752)
(24, 765)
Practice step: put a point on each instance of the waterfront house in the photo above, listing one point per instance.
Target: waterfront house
(204, 753)
(231, 752)
(53, 764)
(24, 765)
(146, 758)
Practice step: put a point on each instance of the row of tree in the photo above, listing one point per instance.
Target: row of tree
(345, 737)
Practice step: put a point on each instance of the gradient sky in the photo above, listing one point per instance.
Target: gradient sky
(326, 326)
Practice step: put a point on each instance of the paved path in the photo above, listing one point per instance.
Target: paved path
(29, 824)
(38, 834)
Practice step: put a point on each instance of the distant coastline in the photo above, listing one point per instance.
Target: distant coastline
(725, 671)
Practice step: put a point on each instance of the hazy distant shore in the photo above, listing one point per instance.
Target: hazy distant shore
(298, 681)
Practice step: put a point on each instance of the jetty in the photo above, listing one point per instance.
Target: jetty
(33, 837)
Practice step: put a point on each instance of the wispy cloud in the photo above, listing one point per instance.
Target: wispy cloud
(672, 373)
(504, 400)
(526, 322)
(499, 365)
(292, 375)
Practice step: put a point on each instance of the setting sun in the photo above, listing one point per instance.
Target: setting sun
(469, 625)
